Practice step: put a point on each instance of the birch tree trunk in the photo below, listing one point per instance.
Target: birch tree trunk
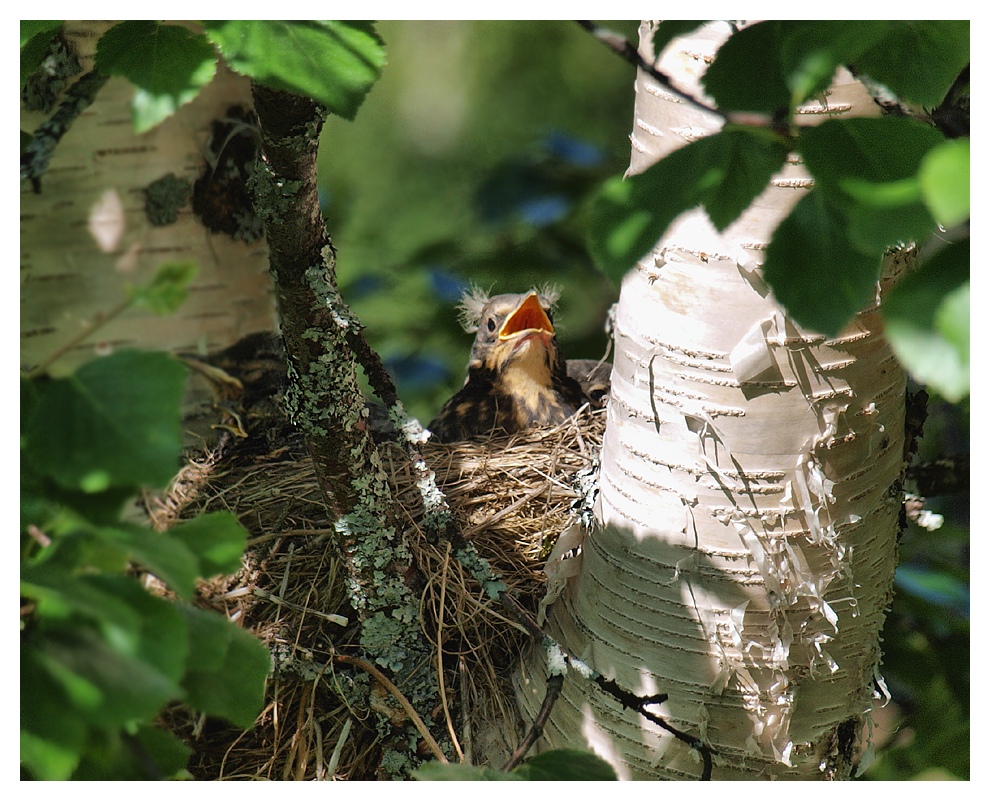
(90, 233)
(749, 495)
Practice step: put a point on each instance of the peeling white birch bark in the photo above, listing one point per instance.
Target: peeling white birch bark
(750, 487)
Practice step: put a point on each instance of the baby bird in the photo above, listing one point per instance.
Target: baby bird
(517, 378)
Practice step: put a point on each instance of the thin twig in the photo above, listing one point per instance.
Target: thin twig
(386, 682)
(622, 47)
(639, 703)
(554, 685)
(440, 682)
(88, 331)
(37, 155)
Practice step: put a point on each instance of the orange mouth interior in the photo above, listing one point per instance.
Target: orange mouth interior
(529, 316)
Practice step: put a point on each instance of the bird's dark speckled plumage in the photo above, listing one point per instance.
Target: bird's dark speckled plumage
(517, 378)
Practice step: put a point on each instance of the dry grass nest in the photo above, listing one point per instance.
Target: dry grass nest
(510, 497)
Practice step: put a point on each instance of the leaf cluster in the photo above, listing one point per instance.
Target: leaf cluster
(100, 654)
(333, 62)
(879, 183)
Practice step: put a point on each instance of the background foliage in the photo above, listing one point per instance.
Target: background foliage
(475, 158)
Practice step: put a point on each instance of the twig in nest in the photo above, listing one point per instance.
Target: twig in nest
(386, 682)
(440, 682)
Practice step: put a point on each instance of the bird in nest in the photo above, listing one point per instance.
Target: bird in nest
(517, 378)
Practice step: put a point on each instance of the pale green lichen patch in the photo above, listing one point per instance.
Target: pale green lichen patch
(481, 570)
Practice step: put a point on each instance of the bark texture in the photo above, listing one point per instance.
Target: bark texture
(749, 492)
(87, 235)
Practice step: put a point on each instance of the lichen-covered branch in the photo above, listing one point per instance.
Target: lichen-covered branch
(79, 97)
(324, 399)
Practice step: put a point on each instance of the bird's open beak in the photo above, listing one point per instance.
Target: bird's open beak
(528, 317)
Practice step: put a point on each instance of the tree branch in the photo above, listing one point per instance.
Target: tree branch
(324, 400)
(626, 50)
(79, 97)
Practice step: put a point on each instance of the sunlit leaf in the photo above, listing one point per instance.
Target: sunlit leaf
(927, 321)
(333, 62)
(868, 168)
(52, 738)
(724, 172)
(217, 539)
(168, 64)
(812, 50)
(106, 685)
(945, 181)
(161, 555)
(876, 149)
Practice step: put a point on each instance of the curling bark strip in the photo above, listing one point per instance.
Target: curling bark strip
(750, 490)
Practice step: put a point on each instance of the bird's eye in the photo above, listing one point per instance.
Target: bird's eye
(491, 324)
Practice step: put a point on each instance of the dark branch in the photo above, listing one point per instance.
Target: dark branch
(554, 686)
(628, 699)
(639, 704)
(625, 49)
(79, 97)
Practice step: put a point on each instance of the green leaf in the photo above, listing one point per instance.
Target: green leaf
(815, 272)
(130, 620)
(869, 169)
(147, 753)
(168, 290)
(872, 149)
(52, 738)
(217, 539)
(812, 50)
(927, 321)
(747, 74)
(724, 172)
(453, 772)
(32, 27)
(567, 764)
(885, 215)
(36, 36)
(670, 29)
(108, 687)
(61, 594)
(161, 555)
(333, 62)
(113, 423)
(563, 764)
(739, 164)
(944, 179)
(167, 63)
(918, 59)
(227, 669)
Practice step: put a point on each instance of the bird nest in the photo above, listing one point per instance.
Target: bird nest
(510, 498)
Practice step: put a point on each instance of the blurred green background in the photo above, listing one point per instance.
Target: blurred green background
(472, 161)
